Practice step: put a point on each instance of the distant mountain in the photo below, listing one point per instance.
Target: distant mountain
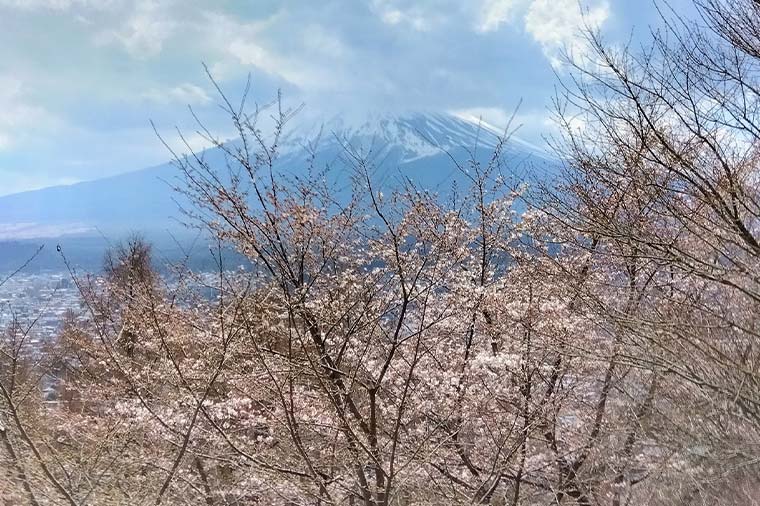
(418, 146)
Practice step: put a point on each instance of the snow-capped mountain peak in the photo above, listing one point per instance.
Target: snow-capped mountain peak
(415, 134)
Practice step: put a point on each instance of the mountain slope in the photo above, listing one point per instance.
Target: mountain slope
(415, 146)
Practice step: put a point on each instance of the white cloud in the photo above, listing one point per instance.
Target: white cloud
(308, 60)
(248, 52)
(186, 94)
(494, 13)
(552, 23)
(145, 30)
(422, 17)
(319, 40)
(55, 5)
(556, 25)
(234, 43)
(18, 116)
(37, 4)
(392, 16)
(140, 26)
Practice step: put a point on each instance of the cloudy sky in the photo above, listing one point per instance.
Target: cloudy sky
(81, 79)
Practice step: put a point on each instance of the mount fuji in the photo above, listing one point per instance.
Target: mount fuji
(420, 147)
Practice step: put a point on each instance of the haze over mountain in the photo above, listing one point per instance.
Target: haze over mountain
(422, 147)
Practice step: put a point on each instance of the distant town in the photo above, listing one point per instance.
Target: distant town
(40, 300)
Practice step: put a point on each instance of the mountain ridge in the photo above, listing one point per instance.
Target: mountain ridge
(420, 145)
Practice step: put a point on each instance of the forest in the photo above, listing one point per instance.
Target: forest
(593, 339)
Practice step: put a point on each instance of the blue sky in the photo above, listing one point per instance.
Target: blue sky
(80, 79)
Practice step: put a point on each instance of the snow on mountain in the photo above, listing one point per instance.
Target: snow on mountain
(418, 135)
